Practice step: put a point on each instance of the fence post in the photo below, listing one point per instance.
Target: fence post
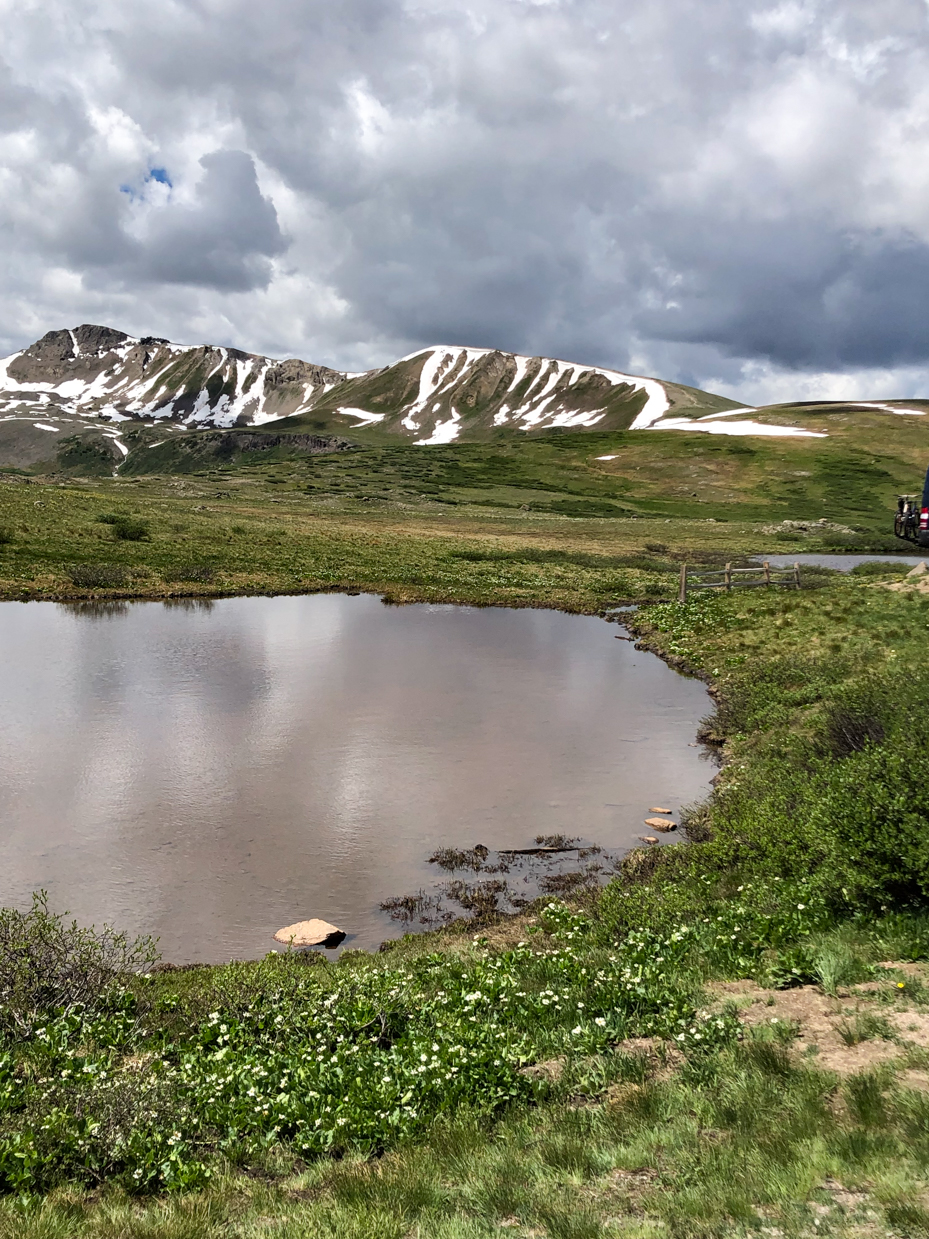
(767, 573)
(682, 592)
(797, 575)
(728, 577)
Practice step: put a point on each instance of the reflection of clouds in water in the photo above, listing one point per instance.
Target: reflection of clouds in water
(261, 759)
(301, 646)
(359, 778)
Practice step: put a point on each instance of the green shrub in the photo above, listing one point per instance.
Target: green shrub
(833, 784)
(99, 576)
(127, 528)
(131, 530)
(48, 966)
(879, 567)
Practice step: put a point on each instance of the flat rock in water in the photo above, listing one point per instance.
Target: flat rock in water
(655, 809)
(919, 570)
(660, 823)
(648, 838)
(306, 933)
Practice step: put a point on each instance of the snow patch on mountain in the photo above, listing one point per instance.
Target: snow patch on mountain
(364, 417)
(443, 432)
(736, 428)
(541, 404)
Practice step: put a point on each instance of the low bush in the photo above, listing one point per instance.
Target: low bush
(48, 964)
(125, 527)
(879, 567)
(99, 576)
(827, 781)
(131, 531)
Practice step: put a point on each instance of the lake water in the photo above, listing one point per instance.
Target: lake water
(210, 772)
(843, 563)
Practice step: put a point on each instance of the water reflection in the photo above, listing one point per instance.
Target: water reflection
(188, 604)
(96, 608)
(209, 773)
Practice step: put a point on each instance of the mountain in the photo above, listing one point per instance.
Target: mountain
(91, 377)
(89, 385)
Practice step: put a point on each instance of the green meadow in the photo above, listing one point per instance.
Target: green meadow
(531, 521)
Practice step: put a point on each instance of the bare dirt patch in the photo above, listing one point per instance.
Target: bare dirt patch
(917, 1080)
(660, 1059)
(550, 1070)
(912, 1026)
(840, 1034)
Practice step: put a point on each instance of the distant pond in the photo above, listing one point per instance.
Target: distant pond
(210, 772)
(843, 563)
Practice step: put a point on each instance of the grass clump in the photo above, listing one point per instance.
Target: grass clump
(190, 572)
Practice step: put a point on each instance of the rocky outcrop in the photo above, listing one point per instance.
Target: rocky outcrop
(81, 353)
(295, 371)
(256, 441)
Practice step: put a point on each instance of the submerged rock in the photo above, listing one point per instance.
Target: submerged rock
(660, 823)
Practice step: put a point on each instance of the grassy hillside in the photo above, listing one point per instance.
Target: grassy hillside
(853, 476)
(538, 521)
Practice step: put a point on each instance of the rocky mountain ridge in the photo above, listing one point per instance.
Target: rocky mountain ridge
(436, 395)
(72, 399)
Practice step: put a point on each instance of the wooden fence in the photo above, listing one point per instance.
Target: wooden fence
(735, 578)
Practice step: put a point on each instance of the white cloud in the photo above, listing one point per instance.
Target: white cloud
(724, 194)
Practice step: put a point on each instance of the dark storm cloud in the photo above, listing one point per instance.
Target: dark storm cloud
(802, 296)
(695, 189)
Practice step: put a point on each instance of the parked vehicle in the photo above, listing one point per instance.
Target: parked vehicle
(911, 520)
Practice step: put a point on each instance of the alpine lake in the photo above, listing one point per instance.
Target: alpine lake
(209, 771)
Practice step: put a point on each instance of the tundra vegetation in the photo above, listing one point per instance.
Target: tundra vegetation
(732, 1037)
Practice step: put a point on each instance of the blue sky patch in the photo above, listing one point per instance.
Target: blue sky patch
(154, 174)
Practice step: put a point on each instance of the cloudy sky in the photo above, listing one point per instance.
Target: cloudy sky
(729, 193)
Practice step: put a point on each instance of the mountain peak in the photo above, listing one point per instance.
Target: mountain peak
(434, 395)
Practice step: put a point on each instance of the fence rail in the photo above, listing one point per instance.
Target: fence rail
(732, 578)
